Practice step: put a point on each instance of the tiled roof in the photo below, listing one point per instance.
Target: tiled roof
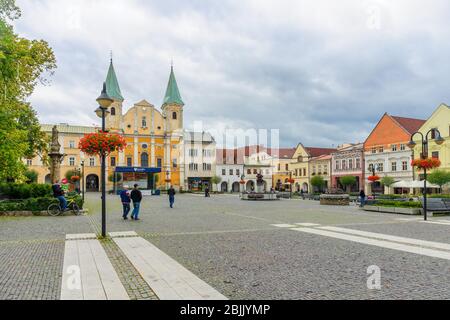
(66, 128)
(321, 158)
(316, 152)
(409, 124)
(283, 153)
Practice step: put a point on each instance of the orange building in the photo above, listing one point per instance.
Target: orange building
(386, 150)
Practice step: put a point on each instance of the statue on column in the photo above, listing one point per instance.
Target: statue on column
(56, 156)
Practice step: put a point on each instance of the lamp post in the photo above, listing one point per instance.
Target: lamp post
(104, 102)
(424, 155)
(83, 185)
(373, 168)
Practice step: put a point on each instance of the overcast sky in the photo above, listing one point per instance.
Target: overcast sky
(322, 72)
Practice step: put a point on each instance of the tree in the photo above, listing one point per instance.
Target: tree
(348, 181)
(216, 180)
(23, 63)
(439, 177)
(388, 182)
(318, 182)
(31, 176)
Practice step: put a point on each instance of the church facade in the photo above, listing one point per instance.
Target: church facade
(152, 156)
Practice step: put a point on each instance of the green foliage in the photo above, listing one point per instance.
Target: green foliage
(25, 191)
(216, 180)
(440, 196)
(23, 64)
(387, 181)
(318, 181)
(34, 204)
(439, 177)
(71, 173)
(31, 176)
(113, 178)
(348, 181)
(398, 204)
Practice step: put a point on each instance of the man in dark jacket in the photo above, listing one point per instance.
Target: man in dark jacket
(58, 193)
(136, 196)
(171, 194)
(362, 198)
(126, 200)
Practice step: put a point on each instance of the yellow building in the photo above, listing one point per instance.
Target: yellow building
(300, 166)
(440, 120)
(153, 136)
(282, 159)
(321, 166)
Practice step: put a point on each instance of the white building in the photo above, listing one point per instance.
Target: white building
(197, 160)
(258, 162)
(230, 168)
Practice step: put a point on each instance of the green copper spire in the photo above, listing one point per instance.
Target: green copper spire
(112, 85)
(172, 93)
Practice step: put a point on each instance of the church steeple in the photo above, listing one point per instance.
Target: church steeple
(112, 85)
(172, 93)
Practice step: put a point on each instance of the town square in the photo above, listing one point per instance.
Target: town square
(208, 164)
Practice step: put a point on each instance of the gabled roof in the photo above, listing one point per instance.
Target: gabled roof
(172, 93)
(409, 124)
(112, 85)
(322, 157)
(282, 153)
(316, 152)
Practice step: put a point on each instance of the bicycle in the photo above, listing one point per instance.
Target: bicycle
(55, 209)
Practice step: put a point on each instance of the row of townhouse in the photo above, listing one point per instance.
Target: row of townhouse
(385, 150)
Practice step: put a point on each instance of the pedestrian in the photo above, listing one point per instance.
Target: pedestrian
(126, 202)
(302, 194)
(362, 198)
(207, 192)
(171, 194)
(136, 196)
(58, 193)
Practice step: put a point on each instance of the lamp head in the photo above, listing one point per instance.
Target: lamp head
(412, 144)
(104, 100)
(99, 112)
(439, 140)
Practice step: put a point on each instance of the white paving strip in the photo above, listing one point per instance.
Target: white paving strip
(417, 242)
(378, 243)
(308, 224)
(88, 274)
(435, 222)
(284, 225)
(167, 278)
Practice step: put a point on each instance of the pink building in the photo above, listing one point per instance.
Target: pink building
(348, 161)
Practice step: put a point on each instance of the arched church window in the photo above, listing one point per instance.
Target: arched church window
(174, 116)
(144, 160)
(144, 122)
(113, 111)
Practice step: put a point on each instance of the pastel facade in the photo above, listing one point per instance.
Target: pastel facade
(386, 149)
(230, 168)
(440, 119)
(321, 167)
(348, 161)
(282, 159)
(300, 166)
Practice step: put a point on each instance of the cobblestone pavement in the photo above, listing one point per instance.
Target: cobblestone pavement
(232, 245)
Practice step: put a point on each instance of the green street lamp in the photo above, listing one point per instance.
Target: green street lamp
(424, 155)
(104, 102)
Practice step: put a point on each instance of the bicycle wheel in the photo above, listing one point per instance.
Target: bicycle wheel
(76, 209)
(54, 210)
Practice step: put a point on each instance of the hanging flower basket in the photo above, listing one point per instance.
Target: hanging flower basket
(102, 143)
(429, 163)
(75, 179)
(242, 182)
(373, 178)
(291, 181)
(168, 180)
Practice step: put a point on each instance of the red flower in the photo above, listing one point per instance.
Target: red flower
(374, 178)
(102, 143)
(428, 163)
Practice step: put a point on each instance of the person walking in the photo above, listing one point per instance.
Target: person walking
(126, 202)
(362, 198)
(171, 194)
(58, 193)
(207, 195)
(136, 196)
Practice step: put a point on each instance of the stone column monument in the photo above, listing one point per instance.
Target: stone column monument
(56, 157)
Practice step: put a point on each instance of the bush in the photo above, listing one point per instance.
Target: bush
(440, 196)
(25, 191)
(398, 204)
(34, 204)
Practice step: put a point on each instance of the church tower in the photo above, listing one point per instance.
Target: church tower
(173, 105)
(114, 118)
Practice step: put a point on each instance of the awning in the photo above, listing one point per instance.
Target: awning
(137, 170)
(414, 185)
